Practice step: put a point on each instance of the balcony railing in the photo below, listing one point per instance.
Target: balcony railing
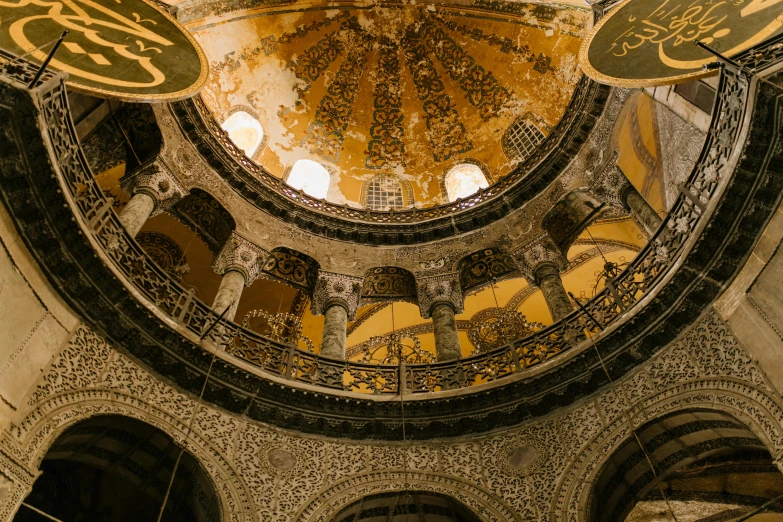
(184, 311)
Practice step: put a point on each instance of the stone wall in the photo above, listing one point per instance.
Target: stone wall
(310, 479)
(35, 323)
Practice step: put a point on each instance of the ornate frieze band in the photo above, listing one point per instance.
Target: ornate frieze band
(332, 288)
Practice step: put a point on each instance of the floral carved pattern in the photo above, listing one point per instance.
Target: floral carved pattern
(386, 149)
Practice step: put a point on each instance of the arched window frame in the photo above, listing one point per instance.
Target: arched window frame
(536, 128)
(327, 168)
(249, 110)
(405, 185)
(484, 169)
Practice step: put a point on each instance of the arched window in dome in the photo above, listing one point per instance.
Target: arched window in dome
(385, 192)
(311, 177)
(463, 180)
(522, 137)
(244, 130)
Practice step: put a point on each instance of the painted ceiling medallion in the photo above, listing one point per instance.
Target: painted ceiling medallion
(398, 89)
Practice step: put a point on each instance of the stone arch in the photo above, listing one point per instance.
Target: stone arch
(50, 418)
(388, 283)
(331, 500)
(483, 266)
(570, 215)
(376, 189)
(250, 112)
(750, 405)
(207, 217)
(293, 268)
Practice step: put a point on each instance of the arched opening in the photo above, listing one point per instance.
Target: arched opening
(522, 137)
(407, 506)
(310, 177)
(464, 180)
(384, 192)
(245, 131)
(706, 463)
(117, 469)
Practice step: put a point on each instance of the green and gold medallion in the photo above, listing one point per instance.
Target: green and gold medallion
(642, 43)
(126, 49)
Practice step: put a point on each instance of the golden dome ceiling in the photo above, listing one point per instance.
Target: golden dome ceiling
(405, 90)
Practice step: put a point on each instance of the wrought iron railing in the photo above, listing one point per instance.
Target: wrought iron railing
(181, 307)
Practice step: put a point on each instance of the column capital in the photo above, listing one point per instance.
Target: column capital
(611, 186)
(241, 255)
(442, 288)
(155, 179)
(540, 253)
(332, 288)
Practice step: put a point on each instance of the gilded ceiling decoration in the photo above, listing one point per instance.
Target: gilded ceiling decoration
(290, 266)
(482, 267)
(204, 214)
(388, 283)
(392, 88)
(165, 252)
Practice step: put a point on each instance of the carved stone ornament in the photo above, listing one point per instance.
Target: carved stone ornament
(156, 180)
(542, 250)
(443, 288)
(334, 288)
(610, 185)
(240, 254)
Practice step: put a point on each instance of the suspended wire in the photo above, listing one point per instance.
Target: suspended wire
(626, 415)
(196, 409)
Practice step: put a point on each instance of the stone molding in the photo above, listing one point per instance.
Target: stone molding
(155, 179)
(611, 186)
(442, 288)
(332, 288)
(541, 251)
(241, 255)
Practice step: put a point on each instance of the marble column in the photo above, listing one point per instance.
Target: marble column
(542, 262)
(334, 335)
(137, 212)
(612, 187)
(228, 294)
(336, 297)
(440, 298)
(154, 189)
(444, 326)
(547, 276)
(642, 211)
(240, 262)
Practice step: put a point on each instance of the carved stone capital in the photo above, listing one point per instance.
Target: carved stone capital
(241, 255)
(340, 289)
(155, 179)
(537, 254)
(443, 288)
(610, 185)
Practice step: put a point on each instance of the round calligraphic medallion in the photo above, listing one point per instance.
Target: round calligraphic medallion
(126, 49)
(642, 43)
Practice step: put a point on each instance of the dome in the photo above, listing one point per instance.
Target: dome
(399, 89)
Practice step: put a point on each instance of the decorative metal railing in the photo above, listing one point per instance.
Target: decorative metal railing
(171, 299)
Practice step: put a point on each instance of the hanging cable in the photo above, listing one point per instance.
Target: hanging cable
(626, 415)
(196, 409)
